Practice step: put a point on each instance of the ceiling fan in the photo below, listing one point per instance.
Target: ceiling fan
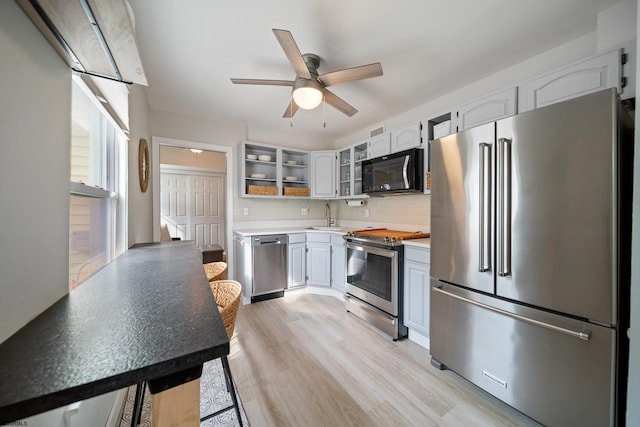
(309, 88)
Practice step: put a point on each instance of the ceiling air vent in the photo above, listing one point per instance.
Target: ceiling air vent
(377, 131)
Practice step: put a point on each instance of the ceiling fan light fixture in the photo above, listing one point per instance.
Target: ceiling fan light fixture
(307, 94)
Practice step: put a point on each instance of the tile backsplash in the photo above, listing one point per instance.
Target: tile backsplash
(410, 211)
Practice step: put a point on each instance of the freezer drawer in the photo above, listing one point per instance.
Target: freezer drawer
(558, 371)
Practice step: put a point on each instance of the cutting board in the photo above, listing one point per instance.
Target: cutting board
(399, 235)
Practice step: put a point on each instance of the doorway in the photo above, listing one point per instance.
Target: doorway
(200, 192)
(192, 204)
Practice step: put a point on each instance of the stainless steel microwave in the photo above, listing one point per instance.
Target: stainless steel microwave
(400, 172)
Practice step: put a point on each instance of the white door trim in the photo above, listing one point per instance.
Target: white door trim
(156, 142)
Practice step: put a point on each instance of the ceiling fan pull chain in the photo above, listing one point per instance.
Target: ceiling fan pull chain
(291, 111)
(324, 112)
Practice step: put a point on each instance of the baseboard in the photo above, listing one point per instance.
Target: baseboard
(419, 339)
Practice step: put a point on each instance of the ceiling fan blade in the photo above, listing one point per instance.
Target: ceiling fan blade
(293, 53)
(350, 74)
(338, 103)
(291, 110)
(262, 82)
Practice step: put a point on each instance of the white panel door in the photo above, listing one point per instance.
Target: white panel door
(174, 190)
(207, 210)
(192, 206)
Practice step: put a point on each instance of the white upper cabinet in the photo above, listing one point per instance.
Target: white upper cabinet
(487, 109)
(406, 137)
(323, 174)
(379, 145)
(584, 77)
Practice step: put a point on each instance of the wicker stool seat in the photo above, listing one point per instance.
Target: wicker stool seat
(215, 271)
(227, 294)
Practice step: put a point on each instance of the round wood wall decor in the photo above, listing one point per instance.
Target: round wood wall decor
(143, 164)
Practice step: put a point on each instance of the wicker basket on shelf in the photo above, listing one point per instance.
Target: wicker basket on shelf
(262, 190)
(295, 191)
(227, 294)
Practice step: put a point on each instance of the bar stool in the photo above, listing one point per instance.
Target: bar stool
(227, 294)
(215, 271)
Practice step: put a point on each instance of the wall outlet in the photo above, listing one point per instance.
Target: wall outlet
(245, 211)
(366, 212)
(304, 211)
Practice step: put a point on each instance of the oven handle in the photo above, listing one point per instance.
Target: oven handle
(389, 253)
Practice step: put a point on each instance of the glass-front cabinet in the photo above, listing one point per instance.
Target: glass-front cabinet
(359, 154)
(350, 170)
(345, 171)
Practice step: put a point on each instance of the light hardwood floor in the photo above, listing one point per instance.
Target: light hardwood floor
(302, 360)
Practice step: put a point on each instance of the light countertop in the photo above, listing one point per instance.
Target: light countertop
(422, 243)
(291, 230)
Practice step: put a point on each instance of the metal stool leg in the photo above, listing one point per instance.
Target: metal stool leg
(137, 404)
(234, 399)
(231, 389)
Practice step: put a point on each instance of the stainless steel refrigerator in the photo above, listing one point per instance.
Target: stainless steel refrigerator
(530, 259)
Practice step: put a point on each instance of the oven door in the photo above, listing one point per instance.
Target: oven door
(372, 276)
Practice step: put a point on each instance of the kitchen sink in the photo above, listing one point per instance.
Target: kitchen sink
(325, 228)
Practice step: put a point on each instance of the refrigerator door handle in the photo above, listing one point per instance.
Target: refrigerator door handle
(484, 261)
(584, 334)
(504, 207)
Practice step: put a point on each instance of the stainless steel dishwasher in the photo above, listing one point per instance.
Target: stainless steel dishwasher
(269, 268)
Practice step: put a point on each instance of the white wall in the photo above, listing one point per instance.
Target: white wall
(35, 123)
(139, 203)
(179, 156)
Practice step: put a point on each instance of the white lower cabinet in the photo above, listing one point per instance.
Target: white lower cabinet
(297, 261)
(338, 267)
(319, 259)
(416, 289)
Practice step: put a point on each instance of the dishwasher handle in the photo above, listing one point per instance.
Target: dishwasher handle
(269, 240)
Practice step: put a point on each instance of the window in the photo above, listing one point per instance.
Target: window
(97, 186)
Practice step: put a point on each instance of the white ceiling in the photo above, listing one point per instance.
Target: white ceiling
(190, 49)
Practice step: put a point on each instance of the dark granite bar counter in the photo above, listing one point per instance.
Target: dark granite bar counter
(147, 315)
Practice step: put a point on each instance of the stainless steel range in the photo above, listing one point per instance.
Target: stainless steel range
(374, 266)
